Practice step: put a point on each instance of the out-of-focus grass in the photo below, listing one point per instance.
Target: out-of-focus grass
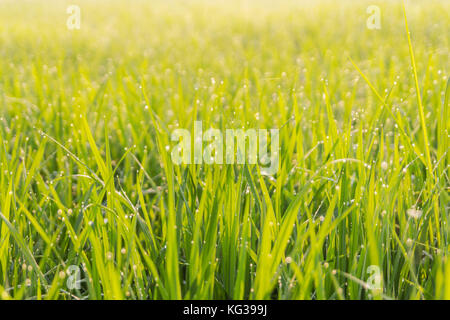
(86, 178)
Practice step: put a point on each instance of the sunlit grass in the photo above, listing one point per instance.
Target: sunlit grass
(86, 178)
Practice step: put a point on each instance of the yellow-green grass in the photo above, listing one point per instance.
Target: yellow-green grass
(86, 177)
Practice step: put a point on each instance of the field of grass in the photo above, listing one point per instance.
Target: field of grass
(88, 190)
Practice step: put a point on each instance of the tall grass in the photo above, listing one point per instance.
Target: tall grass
(86, 177)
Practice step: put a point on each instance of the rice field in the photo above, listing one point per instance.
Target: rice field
(92, 205)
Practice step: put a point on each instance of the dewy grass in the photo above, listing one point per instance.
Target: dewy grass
(92, 205)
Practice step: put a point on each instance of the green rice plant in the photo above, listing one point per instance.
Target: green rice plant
(93, 205)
